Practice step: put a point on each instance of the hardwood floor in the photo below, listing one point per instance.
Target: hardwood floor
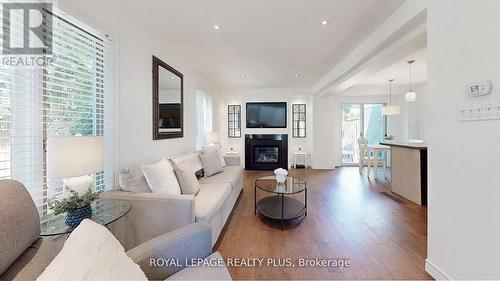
(348, 217)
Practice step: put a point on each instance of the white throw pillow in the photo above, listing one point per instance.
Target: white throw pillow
(217, 148)
(192, 160)
(133, 182)
(161, 178)
(187, 179)
(92, 253)
(211, 162)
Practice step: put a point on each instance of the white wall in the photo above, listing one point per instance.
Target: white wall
(242, 96)
(464, 191)
(413, 123)
(135, 44)
(324, 132)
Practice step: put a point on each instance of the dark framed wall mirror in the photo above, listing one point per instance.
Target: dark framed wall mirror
(168, 95)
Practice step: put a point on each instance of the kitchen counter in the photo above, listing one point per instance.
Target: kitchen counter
(405, 144)
(409, 170)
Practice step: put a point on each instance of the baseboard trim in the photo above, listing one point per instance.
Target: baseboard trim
(435, 271)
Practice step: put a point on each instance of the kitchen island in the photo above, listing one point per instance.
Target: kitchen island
(409, 170)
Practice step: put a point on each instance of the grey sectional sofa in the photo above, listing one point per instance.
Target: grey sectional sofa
(24, 255)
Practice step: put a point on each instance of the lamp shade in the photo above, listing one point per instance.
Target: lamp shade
(74, 156)
(411, 96)
(391, 110)
(213, 137)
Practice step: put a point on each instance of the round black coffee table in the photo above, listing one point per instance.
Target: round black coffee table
(284, 204)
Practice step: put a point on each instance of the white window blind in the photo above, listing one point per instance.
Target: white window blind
(71, 96)
(203, 118)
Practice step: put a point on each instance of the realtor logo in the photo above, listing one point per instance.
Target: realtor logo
(27, 28)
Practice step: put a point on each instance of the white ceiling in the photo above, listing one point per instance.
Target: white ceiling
(268, 41)
(400, 71)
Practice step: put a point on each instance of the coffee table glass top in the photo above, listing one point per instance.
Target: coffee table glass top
(291, 185)
(103, 212)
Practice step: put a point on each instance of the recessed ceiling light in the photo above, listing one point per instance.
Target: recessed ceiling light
(324, 22)
(172, 77)
(242, 76)
(296, 75)
(216, 27)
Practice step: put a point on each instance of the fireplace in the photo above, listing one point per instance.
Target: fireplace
(266, 152)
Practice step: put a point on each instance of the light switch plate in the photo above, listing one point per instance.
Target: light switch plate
(479, 111)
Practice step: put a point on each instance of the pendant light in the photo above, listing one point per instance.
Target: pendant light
(390, 109)
(411, 95)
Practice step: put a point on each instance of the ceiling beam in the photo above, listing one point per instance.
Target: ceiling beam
(403, 31)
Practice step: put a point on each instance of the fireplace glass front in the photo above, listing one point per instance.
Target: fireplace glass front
(266, 154)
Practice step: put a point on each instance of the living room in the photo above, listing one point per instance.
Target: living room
(223, 140)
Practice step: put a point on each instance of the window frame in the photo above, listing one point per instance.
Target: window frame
(296, 129)
(102, 98)
(236, 130)
(204, 123)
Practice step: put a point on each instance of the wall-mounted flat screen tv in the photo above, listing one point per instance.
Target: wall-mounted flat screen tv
(266, 114)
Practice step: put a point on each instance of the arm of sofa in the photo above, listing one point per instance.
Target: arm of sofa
(189, 242)
(152, 214)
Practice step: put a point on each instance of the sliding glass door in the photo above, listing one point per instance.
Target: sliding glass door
(360, 120)
(351, 131)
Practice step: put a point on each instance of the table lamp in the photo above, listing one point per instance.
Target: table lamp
(73, 158)
(213, 137)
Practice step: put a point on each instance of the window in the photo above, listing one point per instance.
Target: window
(299, 120)
(73, 95)
(361, 120)
(234, 121)
(203, 118)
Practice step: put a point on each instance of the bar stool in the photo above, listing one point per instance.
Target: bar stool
(364, 155)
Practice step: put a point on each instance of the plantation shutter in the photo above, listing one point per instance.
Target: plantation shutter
(71, 96)
(204, 118)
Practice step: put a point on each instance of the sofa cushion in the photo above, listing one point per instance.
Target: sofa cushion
(191, 160)
(231, 174)
(19, 222)
(133, 182)
(211, 162)
(187, 179)
(210, 199)
(218, 149)
(204, 272)
(33, 261)
(161, 177)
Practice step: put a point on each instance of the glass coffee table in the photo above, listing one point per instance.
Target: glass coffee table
(282, 202)
(103, 212)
